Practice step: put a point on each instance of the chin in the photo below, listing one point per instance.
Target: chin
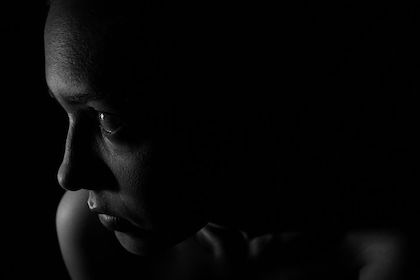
(141, 246)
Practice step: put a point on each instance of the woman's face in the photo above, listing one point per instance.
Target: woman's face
(127, 144)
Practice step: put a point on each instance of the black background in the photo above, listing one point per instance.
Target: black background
(359, 62)
(32, 143)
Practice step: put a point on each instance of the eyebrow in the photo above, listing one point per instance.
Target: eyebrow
(79, 98)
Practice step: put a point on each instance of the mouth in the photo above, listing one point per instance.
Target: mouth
(117, 224)
(114, 223)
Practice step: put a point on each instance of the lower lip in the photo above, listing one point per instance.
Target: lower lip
(115, 223)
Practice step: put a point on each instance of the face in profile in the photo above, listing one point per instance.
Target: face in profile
(128, 141)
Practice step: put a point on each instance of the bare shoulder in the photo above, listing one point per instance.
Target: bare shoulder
(87, 247)
(73, 217)
(382, 254)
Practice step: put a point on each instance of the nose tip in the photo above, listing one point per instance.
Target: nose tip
(64, 177)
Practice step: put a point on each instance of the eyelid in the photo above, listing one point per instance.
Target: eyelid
(102, 122)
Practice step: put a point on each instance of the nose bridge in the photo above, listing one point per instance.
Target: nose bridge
(71, 173)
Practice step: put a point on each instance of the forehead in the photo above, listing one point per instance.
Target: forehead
(125, 51)
(88, 46)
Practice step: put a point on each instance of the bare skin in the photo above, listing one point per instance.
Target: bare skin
(181, 198)
(88, 249)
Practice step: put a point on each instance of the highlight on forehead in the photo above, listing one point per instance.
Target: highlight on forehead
(109, 7)
(65, 50)
(83, 35)
(87, 42)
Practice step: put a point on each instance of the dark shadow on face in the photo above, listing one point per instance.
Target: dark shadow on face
(128, 142)
(227, 111)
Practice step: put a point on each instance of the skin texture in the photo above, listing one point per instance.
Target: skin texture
(198, 186)
(101, 68)
(116, 168)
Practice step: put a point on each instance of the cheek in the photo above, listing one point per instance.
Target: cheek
(130, 169)
(158, 186)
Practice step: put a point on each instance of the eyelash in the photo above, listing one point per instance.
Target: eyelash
(102, 118)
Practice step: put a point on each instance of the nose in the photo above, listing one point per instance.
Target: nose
(76, 169)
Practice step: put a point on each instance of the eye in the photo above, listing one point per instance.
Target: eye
(109, 123)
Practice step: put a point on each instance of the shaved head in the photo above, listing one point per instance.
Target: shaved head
(107, 67)
(92, 44)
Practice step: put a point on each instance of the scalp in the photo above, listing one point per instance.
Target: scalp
(93, 42)
(69, 41)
